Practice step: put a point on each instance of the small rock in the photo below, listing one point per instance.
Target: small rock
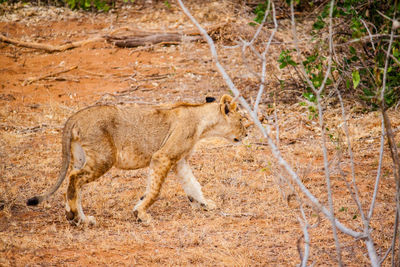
(34, 106)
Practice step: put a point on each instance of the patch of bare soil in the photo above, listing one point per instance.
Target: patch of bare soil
(256, 223)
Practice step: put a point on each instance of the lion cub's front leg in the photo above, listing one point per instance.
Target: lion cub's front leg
(192, 187)
(159, 168)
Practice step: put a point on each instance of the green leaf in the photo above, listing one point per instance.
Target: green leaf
(286, 59)
(356, 78)
(167, 4)
(396, 52)
(291, 62)
(260, 11)
(282, 65)
(71, 4)
(319, 24)
(352, 50)
(310, 97)
(354, 58)
(87, 4)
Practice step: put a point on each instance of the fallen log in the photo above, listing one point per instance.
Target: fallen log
(137, 38)
(135, 41)
(47, 47)
(140, 37)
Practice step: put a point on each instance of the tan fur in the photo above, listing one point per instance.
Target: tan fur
(132, 137)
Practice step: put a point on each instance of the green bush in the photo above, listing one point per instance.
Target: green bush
(361, 64)
(358, 62)
(98, 5)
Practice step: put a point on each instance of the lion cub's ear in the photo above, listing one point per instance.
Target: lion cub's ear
(227, 105)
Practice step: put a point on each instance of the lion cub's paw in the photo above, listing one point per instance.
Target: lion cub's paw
(90, 220)
(209, 205)
(142, 217)
(86, 221)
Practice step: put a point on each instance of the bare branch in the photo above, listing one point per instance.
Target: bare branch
(396, 23)
(378, 175)
(302, 221)
(350, 151)
(369, 33)
(259, 28)
(366, 221)
(296, 43)
(277, 140)
(385, 69)
(392, 246)
(250, 44)
(318, 91)
(264, 61)
(394, 59)
(367, 38)
(210, 42)
(266, 133)
(245, 61)
(389, 133)
(305, 225)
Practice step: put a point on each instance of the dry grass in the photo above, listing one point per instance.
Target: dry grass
(254, 224)
(256, 220)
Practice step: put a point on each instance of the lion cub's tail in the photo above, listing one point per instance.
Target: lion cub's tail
(66, 156)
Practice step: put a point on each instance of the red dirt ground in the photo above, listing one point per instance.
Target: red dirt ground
(256, 222)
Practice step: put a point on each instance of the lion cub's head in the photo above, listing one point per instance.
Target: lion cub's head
(232, 127)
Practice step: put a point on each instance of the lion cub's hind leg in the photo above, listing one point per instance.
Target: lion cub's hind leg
(73, 206)
(87, 167)
(192, 187)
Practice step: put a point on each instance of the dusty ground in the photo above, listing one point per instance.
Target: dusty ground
(254, 224)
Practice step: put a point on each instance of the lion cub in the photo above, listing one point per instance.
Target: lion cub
(132, 137)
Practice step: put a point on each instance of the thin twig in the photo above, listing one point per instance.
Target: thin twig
(366, 38)
(305, 225)
(394, 58)
(264, 61)
(386, 17)
(378, 175)
(250, 44)
(52, 74)
(369, 34)
(350, 151)
(321, 120)
(355, 195)
(276, 122)
(389, 249)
